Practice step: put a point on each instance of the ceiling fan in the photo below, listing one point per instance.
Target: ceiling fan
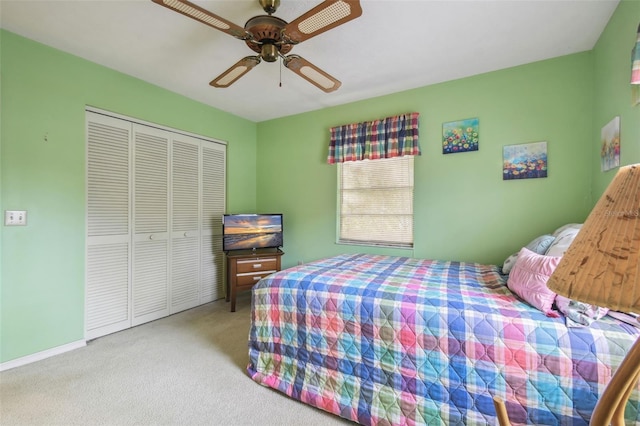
(273, 38)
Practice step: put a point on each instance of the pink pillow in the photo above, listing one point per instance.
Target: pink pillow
(528, 279)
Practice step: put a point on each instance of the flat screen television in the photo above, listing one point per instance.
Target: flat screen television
(251, 231)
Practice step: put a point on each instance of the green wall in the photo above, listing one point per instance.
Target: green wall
(44, 92)
(463, 209)
(612, 56)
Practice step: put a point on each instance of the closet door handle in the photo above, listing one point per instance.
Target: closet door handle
(151, 237)
(186, 234)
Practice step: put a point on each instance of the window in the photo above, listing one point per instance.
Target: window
(375, 202)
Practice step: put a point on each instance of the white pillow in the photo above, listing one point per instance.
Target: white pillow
(562, 241)
(565, 227)
(539, 245)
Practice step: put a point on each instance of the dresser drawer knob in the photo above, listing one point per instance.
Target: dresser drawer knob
(256, 278)
(257, 265)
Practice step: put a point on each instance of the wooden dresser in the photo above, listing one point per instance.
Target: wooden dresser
(246, 267)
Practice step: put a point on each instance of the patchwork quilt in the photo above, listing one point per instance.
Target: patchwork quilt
(394, 341)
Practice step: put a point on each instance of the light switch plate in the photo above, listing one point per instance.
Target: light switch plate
(15, 217)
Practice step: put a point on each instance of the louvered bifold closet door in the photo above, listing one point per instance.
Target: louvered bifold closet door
(107, 306)
(185, 223)
(213, 207)
(150, 283)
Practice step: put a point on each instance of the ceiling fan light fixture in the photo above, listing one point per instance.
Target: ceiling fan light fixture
(270, 6)
(269, 52)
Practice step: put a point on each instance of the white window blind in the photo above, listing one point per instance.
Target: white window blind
(376, 202)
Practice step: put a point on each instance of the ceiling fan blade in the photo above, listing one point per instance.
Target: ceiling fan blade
(236, 71)
(328, 14)
(202, 15)
(311, 73)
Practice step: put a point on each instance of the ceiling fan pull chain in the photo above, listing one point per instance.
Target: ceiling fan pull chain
(281, 71)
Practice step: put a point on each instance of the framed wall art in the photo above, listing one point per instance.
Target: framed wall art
(610, 145)
(635, 71)
(524, 161)
(460, 136)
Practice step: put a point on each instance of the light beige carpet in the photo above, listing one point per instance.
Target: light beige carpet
(186, 369)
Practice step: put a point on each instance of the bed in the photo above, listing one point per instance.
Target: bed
(396, 340)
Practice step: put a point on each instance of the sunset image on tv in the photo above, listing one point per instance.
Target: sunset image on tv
(252, 231)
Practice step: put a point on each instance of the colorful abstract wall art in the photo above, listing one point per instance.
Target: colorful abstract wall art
(610, 145)
(460, 136)
(524, 161)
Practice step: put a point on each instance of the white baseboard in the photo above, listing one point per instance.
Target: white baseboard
(42, 355)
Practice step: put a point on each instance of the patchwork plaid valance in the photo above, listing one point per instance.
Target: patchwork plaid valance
(390, 137)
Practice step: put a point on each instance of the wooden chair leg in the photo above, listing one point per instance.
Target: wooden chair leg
(610, 407)
(501, 412)
(618, 416)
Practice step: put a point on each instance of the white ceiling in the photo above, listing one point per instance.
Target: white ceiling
(395, 45)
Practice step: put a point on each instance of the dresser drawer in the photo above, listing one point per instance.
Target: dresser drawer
(256, 265)
(251, 278)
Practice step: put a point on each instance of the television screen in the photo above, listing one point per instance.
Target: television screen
(251, 231)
